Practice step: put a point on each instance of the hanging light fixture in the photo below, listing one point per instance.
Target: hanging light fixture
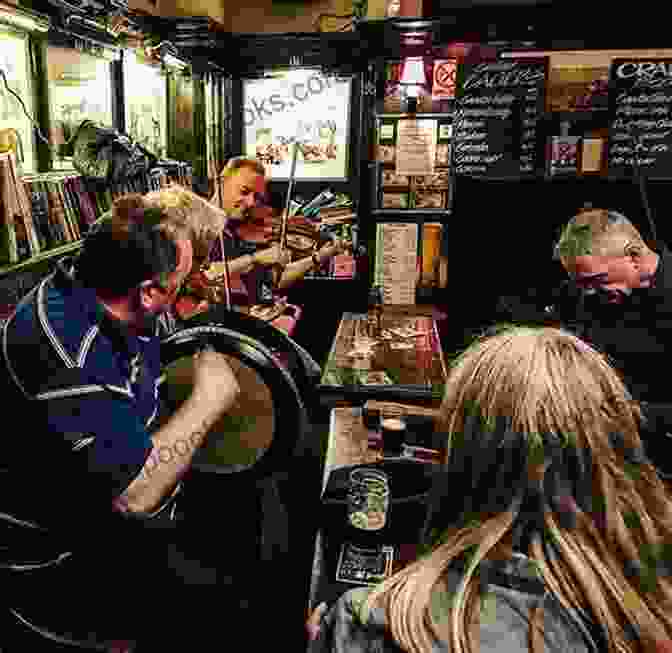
(412, 79)
(12, 15)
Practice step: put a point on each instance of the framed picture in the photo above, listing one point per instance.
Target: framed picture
(80, 88)
(15, 61)
(299, 104)
(146, 108)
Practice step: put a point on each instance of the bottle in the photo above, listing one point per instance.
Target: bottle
(563, 155)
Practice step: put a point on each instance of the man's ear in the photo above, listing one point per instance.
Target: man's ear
(634, 251)
(150, 294)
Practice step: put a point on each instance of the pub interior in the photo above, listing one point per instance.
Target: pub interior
(420, 163)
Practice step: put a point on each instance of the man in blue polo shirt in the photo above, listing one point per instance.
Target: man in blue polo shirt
(81, 470)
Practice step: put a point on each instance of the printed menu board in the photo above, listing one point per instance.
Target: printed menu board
(499, 106)
(416, 147)
(641, 97)
(396, 269)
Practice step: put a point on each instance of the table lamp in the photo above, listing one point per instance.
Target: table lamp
(411, 80)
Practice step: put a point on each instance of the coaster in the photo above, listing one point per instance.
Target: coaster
(364, 566)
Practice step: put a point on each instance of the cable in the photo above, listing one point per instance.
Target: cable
(639, 180)
(25, 111)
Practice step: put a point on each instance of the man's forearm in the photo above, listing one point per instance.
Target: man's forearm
(174, 446)
(295, 271)
(241, 265)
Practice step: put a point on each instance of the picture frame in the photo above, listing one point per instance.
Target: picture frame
(303, 104)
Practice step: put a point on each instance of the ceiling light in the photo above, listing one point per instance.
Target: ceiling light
(23, 20)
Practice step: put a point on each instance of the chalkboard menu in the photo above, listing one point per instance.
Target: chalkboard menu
(499, 106)
(641, 102)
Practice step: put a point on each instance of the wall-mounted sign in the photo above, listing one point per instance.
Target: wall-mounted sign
(416, 147)
(641, 132)
(444, 79)
(496, 124)
(298, 104)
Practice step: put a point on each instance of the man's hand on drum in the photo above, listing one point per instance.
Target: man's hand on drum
(214, 381)
(273, 255)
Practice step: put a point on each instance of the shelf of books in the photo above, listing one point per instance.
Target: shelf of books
(46, 215)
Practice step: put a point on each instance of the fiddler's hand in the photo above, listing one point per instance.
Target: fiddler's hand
(313, 622)
(338, 246)
(273, 256)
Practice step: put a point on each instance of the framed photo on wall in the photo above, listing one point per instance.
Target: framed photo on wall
(303, 104)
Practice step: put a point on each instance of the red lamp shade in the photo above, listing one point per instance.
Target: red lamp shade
(413, 72)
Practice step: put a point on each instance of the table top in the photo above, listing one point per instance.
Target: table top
(349, 445)
(400, 359)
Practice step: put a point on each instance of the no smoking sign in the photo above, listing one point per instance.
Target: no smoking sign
(445, 73)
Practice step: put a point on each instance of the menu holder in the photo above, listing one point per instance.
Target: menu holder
(499, 107)
(641, 105)
(396, 261)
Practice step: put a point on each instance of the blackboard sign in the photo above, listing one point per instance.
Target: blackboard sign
(500, 104)
(641, 102)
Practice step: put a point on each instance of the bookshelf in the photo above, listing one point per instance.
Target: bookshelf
(42, 257)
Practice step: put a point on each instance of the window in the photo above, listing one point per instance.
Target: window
(80, 88)
(146, 111)
(303, 105)
(14, 62)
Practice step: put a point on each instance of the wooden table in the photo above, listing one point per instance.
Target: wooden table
(409, 369)
(348, 445)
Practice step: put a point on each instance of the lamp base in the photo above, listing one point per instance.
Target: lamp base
(412, 105)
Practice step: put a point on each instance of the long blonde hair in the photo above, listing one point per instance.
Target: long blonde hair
(571, 432)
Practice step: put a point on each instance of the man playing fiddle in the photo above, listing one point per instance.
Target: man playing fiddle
(251, 264)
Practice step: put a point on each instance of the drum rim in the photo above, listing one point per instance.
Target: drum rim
(290, 415)
(236, 321)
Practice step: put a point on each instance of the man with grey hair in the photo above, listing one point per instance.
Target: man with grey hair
(602, 251)
(623, 306)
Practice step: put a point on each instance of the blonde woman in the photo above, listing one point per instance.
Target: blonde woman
(549, 531)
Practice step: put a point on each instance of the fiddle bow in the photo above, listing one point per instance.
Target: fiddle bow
(277, 270)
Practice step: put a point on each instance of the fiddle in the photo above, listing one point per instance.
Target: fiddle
(259, 228)
(265, 228)
(205, 284)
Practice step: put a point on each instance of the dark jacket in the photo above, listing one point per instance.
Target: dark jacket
(636, 336)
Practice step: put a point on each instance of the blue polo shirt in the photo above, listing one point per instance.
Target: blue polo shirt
(84, 393)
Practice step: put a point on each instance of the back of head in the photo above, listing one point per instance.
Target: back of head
(187, 211)
(543, 445)
(130, 248)
(597, 232)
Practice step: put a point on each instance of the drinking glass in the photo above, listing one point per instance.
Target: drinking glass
(368, 499)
